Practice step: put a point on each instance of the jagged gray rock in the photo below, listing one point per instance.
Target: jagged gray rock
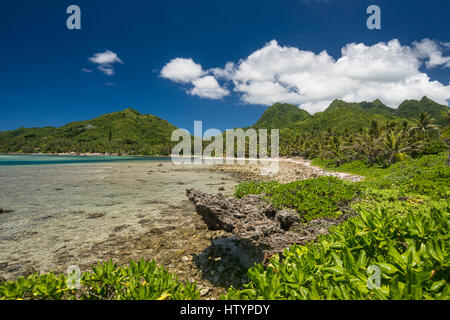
(249, 218)
(259, 230)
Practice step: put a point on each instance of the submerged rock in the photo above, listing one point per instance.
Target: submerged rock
(95, 215)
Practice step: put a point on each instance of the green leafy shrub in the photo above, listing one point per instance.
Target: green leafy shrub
(411, 251)
(141, 280)
(401, 156)
(433, 147)
(428, 175)
(252, 187)
(45, 286)
(398, 202)
(312, 198)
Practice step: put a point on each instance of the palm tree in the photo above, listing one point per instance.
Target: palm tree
(374, 128)
(367, 145)
(389, 125)
(404, 125)
(394, 144)
(336, 149)
(424, 123)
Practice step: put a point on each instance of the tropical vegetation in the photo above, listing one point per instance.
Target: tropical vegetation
(142, 280)
(123, 132)
(370, 132)
(395, 245)
(312, 198)
(400, 236)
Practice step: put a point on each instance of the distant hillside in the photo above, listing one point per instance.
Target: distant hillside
(374, 107)
(281, 116)
(344, 115)
(411, 108)
(125, 131)
(340, 115)
(130, 132)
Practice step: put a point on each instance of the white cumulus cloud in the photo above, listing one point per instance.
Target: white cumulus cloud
(105, 60)
(208, 87)
(388, 71)
(107, 57)
(186, 71)
(431, 50)
(182, 70)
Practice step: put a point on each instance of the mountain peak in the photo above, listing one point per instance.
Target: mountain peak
(281, 115)
(378, 103)
(410, 109)
(338, 102)
(133, 111)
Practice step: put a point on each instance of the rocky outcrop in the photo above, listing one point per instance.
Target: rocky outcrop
(5, 210)
(258, 229)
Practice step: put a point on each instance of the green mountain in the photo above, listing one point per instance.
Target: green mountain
(351, 115)
(130, 132)
(374, 107)
(125, 131)
(281, 115)
(341, 115)
(411, 108)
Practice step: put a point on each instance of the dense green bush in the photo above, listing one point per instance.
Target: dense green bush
(433, 147)
(402, 228)
(252, 187)
(312, 198)
(428, 175)
(398, 202)
(141, 280)
(411, 251)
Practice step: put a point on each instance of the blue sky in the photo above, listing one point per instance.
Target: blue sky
(42, 81)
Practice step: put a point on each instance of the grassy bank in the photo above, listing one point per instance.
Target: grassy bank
(357, 167)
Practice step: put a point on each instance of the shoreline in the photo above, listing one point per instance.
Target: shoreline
(288, 170)
(178, 239)
(84, 154)
(224, 164)
(126, 211)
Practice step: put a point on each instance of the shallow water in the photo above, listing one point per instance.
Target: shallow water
(67, 206)
(36, 159)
